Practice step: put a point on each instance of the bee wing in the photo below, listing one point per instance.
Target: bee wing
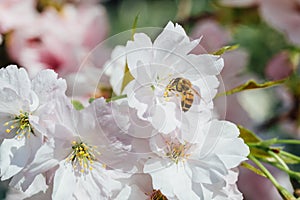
(196, 92)
(198, 97)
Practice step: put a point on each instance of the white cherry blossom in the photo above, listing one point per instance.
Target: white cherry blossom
(189, 171)
(25, 107)
(155, 66)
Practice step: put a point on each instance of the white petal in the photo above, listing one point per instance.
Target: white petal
(16, 79)
(138, 50)
(14, 155)
(46, 83)
(131, 90)
(222, 140)
(183, 185)
(64, 182)
(163, 117)
(207, 170)
(11, 102)
(206, 64)
(162, 176)
(43, 160)
(171, 44)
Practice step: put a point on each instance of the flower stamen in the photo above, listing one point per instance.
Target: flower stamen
(20, 123)
(82, 156)
(157, 195)
(177, 152)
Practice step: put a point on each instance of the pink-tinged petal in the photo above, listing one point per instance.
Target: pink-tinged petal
(64, 181)
(214, 36)
(279, 67)
(10, 12)
(239, 3)
(234, 61)
(283, 16)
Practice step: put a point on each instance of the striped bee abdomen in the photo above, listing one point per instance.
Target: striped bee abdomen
(187, 99)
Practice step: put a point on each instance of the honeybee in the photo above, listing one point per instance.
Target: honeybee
(185, 88)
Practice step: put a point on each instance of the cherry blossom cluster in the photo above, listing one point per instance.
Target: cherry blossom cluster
(36, 33)
(158, 138)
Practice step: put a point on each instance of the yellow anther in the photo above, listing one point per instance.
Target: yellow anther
(12, 127)
(91, 168)
(82, 156)
(6, 124)
(7, 130)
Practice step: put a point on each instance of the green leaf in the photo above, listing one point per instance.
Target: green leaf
(259, 150)
(91, 99)
(247, 135)
(250, 85)
(127, 77)
(225, 49)
(134, 25)
(77, 105)
(262, 155)
(252, 168)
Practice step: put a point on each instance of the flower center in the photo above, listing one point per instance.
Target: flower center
(177, 152)
(20, 124)
(82, 156)
(44, 4)
(157, 195)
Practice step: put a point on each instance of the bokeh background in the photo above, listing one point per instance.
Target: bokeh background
(59, 35)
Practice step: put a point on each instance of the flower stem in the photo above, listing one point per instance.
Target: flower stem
(282, 191)
(287, 142)
(116, 98)
(292, 156)
(278, 159)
